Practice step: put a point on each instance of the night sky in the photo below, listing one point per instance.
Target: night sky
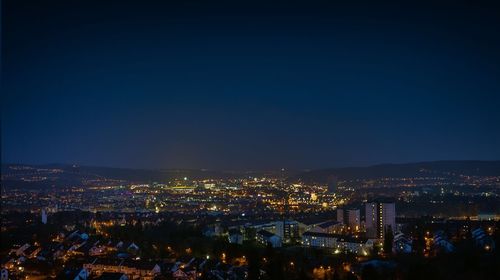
(249, 85)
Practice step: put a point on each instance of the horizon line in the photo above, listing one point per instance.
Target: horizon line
(248, 169)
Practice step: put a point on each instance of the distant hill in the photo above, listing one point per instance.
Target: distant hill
(432, 168)
(56, 175)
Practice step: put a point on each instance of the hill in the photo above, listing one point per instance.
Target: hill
(427, 169)
(61, 175)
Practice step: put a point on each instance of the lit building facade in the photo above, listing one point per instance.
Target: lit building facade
(349, 217)
(380, 216)
(353, 219)
(287, 230)
(339, 243)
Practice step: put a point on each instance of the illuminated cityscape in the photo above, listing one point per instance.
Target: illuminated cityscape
(95, 226)
(250, 140)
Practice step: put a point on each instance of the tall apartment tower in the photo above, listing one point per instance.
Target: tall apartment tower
(44, 216)
(353, 219)
(380, 216)
(349, 217)
(340, 215)
(288, 230)
(4, 274)
(332, 185)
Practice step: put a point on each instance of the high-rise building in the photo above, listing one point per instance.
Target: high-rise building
(350, 218)
(332, 184)
(287, 230)
(4, 274)
(44, 216)
(380, 216)
(340, 215)
(353, 219)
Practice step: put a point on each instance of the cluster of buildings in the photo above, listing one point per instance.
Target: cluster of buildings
(351, 231)
(244, 209)
(29, 259)
(347, 232)
(103, 258)
(187, 196)
(272, 233)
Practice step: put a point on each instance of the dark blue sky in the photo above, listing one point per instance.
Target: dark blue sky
(246, 84)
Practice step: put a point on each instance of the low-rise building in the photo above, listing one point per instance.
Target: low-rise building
(133, 269)
(332, 227)
(112, 276)
(441, 242)
(482, 240)
(338, 243)
(402, 244)
(235, 236)
(265, 237)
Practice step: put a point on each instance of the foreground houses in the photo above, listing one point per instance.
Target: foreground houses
(402, 244)
(133, 269)
(482, 240)
(74, 274)
(441, 242)
(112, 276)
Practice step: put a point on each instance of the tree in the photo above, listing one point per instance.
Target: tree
(388, 240)
(275, 267)
(418, 244)
(369, 273)
(250, 233)
(253, 264)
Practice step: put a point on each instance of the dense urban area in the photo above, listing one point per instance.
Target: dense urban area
(430, 221)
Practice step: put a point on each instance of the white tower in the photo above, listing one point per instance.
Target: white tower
(379, 217)
(44, 217)
(4, 274)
